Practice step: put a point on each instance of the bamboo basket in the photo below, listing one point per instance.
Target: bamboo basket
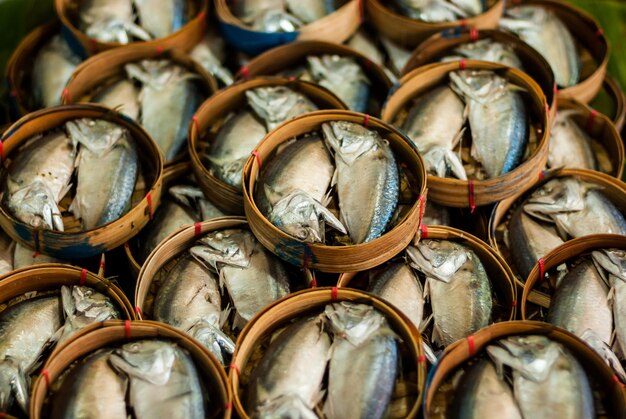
(602, 379)
(602, 130)
(500, 274)
(612, 188)
(616, 94)
(335, 259)
(444, 43)
(291, 55)
(410, 32)
(83, 244)
(459, 193)
(592, 45)
(259, 329)
(185, 38)
(334, 27)
(110, 333)
(569, 251)
(209, 119)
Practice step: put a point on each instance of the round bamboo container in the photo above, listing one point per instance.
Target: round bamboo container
(208, 121)
(83, 244)
(410, 32)
(569, 251)
(310, 301)
(618, 99)
(461, 193)
(588, 34)
(442, 44)
(612, 188)
(458, 354)
(335, 259)
(500, 274)
(185, 38)
(291, 55)
(334, 27)
(117, 333)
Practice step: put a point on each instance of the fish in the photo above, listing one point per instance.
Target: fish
(163, 380)
(38, 178)
(430, 10)
(344, 77)
(487, 50)
(398, 284)
(189, 299)
(362, 42)
(120, 95)
(7, 246)
(363, 364)
(27, 328)
(232, 146)
(481, 393)
(604, 350)
(435, 124)
(253, 276)
(570, 146)
(293, 367)
(436, 215)
(498, 119)
(398, 55)
(169, 97)
(276, 21)
(547, 34)
(581, 302)
(310, 11)
(91, 389)
(548, 381)
(103, 195)
(210, 52)
(368, 180)
(458, 288)
(277, 104)
(248, 9)
(161, 18)
(52, 68)
(110, 21)
(292, 189)
(470, 7)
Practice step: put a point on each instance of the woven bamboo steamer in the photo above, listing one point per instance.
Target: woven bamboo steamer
(615, 92)
(334, 27)
(290, 55)
(334, 259)
(568, 251)
(77, 245)
(458, 193)
(600, 128)
(441, 44)
(587, 32)
(612, 188)
(499, 272)
(457, 354)
(116, 333)
(185, 38)
(410, 32)
(209, 117)
(314, 300)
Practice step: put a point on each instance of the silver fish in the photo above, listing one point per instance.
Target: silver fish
(26, 329)
(169, 98)
(605, 351)
(497, 117)
(570, 146)
(39, 178)
(163, 380)
(122, 95)
(398, 55)
(363, 364)
(458, 288)
(7, 246)
(248, 9)
(310, 11)
(211, 54)
(189, 299)
(487, 50)
(91, 389)
(53, 66)
(161, 18)
(103, 195)
(481, 393)
(546, 33)
(430, 10)
(233, 144)
(344, 77)
(368, 182)
(470, 7)
(364, 44)
(110, 21)
(435, 124)
(547, 380)
(293, 367)
(277, 104)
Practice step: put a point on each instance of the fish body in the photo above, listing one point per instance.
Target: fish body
(7, 246)
(211, 54)
(368, 181)
(121, 94)
(110, 21)
(53, 66)
(365, 44)
(161, 18)
(487, 50)
(277, 104)
(344, 77)
(570, 146)
(430, 10)
(310, 11)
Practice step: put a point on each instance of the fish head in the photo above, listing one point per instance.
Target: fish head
(149, 360)
(97, 135)
(36, 206)
(227, 247)
(612, 260)
(532, 356)
(272, 103)
(481, 86)
(154, 73)
(349, 141)
(354, 322)
(335, 70)
(439, 259)
(186, 195)
(556, 196)
(276, 20)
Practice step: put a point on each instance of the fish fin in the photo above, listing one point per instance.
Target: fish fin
(239, 322)
(425, 322)
(13, 386)
(224, 314)
(430, 353)
(437, 336)
(453, 161)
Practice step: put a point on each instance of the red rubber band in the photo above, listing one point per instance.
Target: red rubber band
(197, 229)
(599, 32)
(462, 64)
(3, 415)
(424, 228)
(138, 310)
(421, 359)
(235, 368)
(127, 329)
(245, 73)
(422, 201)
(334, 293)
(591, 119)
(196, 123)
(149, 199)
(541, 176)
(202, 15)
(471, 344)
(2, 151)
(35, 254)
(159, 49)
(463, 23)
(46, 376)
(470, 187)
(83, 277)
(292, 78)
(615, 380)
(542, 268)
(102, 264)
(93, 44)
(366, 122)
(314, 281)
(473, 34)
(360, 5)
(258, 158)
(228, 406)
(514, 303)
(66, 96)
